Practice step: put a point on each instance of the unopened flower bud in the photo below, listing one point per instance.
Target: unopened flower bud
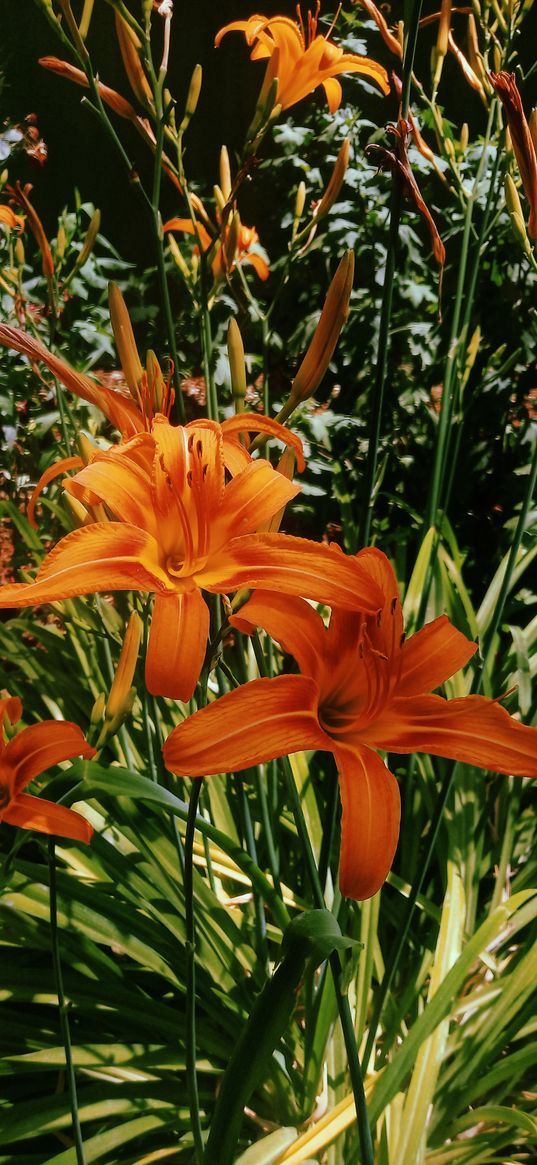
(130, 46)
(86, 448)
(61, 242)
(19, 252)
(237, 368)
(79, 513)
(300, 201)
(125, 342)
(178, 258)
(225, 173)
(120, 699)
(192, 97)
(155, 381)
(516, 216)
(325, 338)
(231, 241)
(266, 101)
(219, 198)
(336, 180)
(97, 712)
(89, 241)
(463, 143)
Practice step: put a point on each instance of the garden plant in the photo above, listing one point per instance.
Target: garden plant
(268, 606)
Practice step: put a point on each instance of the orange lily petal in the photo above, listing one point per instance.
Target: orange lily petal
(38, 747)
(9, 219)
(259, 264)
(334, 93)
(472, 729)
(122, 484)
(121, 413)
(106, 556)
(251, 498)
(177, 643)
(431, 656)
(189, 228)
(252, 423)
(255, 723)
(296, 566)
(53, 471)
(292, 622)
(370, 821)
(44, 816)
(386, 636)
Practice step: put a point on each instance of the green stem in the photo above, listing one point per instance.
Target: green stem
(63, 1006)
(457, 337)
(345, 1015)
(191, 1050)
(377, 399)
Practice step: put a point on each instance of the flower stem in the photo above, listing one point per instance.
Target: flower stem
(377, 400)
(63, 1006)
(345, 1016)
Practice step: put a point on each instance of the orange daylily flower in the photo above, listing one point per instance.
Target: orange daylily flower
(362, 688)
(28, 754)
(11, 220)
(306, 60)
(231, 243)
(178, 528)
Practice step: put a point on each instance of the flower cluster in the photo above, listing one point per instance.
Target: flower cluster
(183, 512)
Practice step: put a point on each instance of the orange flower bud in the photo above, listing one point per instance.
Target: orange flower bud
(125, 342)
(325, 338)
(389, 39)
(88, 244)
(109, 96)
(336, 180)
(119, 700)
(442, 39)
(129, 47)
(467, 70)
